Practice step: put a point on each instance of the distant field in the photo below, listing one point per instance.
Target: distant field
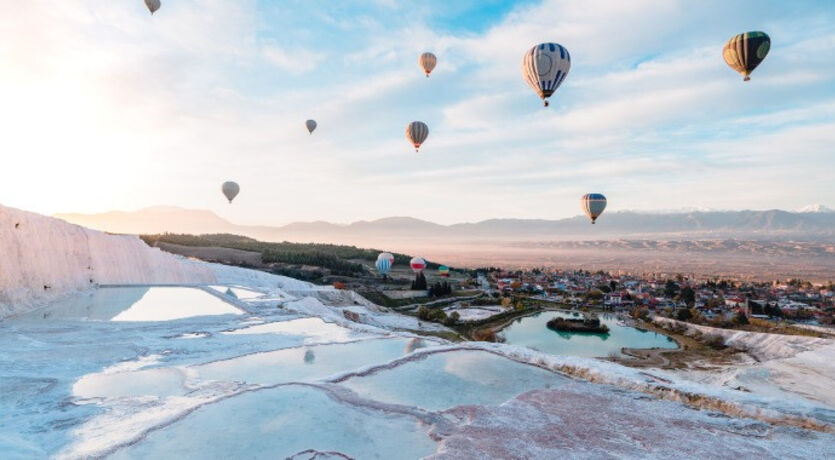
(739, 259)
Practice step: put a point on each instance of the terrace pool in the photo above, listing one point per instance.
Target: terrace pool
(531, 331)
(282, 422)
(154, 303)
(448, 379)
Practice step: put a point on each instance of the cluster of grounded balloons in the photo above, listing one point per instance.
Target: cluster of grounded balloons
(386, 260)
(544, 68)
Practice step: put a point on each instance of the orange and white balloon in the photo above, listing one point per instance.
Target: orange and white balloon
(427, 62)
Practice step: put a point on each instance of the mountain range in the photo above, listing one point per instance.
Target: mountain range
(816, 225)
(763, 244)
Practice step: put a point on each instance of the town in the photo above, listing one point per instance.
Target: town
(682, 297)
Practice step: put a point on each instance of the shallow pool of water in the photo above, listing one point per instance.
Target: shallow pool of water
(531, 331)
(236, 292)
(282, 422)
(134, 304)
(449, 379)
(303, 363)
(313, 329)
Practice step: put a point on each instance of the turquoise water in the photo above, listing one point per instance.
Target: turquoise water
(532, 332)
(280, 422)
(444, 380)
(305, 363)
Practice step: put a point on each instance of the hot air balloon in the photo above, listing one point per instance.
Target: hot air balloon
(383, 265)
(417, 264)
(443, 270)
(153, 5)
(230, 190)
(386, 255)
(744, 52)
(427, 62)
(544, 67)
(416, 133)
(311, 125)
(593, 205)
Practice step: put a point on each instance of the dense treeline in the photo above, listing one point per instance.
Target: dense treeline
(333, 257)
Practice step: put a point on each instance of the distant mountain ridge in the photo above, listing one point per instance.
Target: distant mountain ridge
(764, 225)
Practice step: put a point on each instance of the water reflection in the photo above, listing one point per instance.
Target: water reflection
(134, 304)
(531, 331)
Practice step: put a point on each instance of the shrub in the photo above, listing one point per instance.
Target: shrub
(431, 314)
(640, 313)
(452, 319)
(740, 319)
(715, 341)
(684, 315)
(423, 312)
(486, 335)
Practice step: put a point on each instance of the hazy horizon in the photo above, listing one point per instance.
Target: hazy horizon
(106, 107)
(812, 208)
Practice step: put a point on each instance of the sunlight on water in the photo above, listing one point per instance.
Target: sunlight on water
(135, 304)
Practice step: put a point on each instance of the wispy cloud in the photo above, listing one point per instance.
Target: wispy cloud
(118, 109)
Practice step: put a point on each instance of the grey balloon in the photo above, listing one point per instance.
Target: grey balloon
(230, 190)
(153, 5)
(311, 125)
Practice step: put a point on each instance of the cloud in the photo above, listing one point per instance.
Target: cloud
(296, 61)
(127, 110)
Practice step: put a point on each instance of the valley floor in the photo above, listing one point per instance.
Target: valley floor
(288, 374)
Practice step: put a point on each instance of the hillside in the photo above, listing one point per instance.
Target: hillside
(308, 261)
(44, 258)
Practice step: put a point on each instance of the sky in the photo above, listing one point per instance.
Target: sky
(105, 107)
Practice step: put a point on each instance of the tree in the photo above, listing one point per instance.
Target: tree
(595, 294)
(613, 285)
(740, 319)
(684, 314)
(419, 284)
(688, 296)
(670, 288)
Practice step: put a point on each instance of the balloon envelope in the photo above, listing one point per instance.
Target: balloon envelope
(427, 62)
(383, 265)
(311, 125)
(386, 255)
(593, 205)
(230, 190)
(416, 133)
(744, 52)
(544, 67)
(443, 270)
(417, 264)
(153, 5)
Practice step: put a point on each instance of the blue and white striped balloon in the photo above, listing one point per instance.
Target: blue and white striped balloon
(383, 265)
(544, 67)
(593, 205)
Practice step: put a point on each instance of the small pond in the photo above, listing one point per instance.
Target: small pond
(531, 331)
